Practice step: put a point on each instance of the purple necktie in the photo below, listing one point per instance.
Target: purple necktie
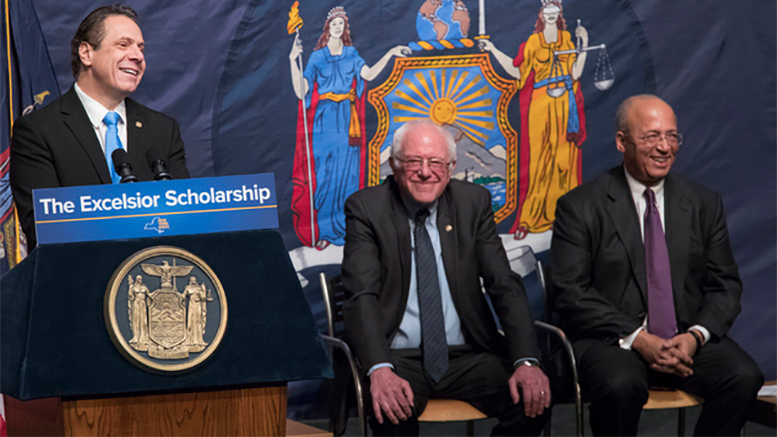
(661, 316)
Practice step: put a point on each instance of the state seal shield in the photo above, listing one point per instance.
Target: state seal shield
(167, 323)
(172, 328)
(465, 95)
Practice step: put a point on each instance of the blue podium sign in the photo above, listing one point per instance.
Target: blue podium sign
(145, 209)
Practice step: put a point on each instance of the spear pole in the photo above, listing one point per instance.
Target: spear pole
(307, 147)
(294, 24)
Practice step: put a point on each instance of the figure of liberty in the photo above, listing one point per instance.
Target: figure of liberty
(330, 164)
(138, 311)
(552, 116)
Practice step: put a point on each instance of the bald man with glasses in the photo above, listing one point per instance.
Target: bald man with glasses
(646, 284)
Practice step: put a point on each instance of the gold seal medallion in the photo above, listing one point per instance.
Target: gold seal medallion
(165, 309)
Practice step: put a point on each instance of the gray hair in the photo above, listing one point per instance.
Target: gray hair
(399, 136)
(622, 114)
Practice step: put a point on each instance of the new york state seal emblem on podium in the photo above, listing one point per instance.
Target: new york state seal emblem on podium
(165, 309)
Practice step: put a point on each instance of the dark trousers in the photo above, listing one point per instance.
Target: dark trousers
(616, 381)
(479, 378)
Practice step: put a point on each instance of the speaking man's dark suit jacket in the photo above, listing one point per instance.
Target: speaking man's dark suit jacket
(377, 269)
(56, 146)
(598, 260)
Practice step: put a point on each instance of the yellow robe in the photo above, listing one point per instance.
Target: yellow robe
(553, 161)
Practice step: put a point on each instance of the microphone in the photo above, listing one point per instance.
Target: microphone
(122, 166)
(157, 164)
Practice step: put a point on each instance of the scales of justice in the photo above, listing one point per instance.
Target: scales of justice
(603, 74)
(604, 77)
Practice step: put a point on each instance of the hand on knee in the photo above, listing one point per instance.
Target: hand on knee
(391, 396)
(535, 388)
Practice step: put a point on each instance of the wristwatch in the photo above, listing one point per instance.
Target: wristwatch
(698, 337)
(529, 363)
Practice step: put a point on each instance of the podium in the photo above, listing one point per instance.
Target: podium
(68, 378)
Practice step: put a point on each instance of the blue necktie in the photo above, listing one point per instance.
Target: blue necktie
(433, 342)
(112, 142)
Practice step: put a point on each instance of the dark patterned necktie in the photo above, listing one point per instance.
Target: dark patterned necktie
(661, 315)
(433, 342)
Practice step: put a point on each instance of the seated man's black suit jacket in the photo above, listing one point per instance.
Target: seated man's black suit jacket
(377, 269)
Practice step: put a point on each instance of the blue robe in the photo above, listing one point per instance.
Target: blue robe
(337, 164)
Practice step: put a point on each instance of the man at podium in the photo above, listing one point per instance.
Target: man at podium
(70, 142)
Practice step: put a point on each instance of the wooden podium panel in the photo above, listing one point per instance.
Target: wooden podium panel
(41, 417)
(238, 412)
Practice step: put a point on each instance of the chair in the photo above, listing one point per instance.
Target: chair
(333, 304)
(437, 410)
(524, 262)
(451, 410)
(660, 398)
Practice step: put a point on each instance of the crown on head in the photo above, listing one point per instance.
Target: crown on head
(337, 11)
(550, 2)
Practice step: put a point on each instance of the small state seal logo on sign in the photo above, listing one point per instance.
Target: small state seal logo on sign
(165, 309)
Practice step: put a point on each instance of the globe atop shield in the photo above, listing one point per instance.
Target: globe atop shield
(442, 19)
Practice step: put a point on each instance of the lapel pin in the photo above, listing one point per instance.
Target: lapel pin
(138, 124)
(448, 228)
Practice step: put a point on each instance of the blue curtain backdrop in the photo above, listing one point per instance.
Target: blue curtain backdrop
(222, 69)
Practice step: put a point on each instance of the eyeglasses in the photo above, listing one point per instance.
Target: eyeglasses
(415, 164)
(673, 139)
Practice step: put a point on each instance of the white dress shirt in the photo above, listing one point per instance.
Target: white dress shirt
(96, 112)
(409, 334)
